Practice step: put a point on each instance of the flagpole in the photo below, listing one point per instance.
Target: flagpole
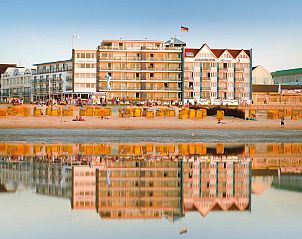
(72, 37)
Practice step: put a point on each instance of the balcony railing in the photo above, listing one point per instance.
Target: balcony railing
(53, 70)
(140, 58)
(140, 68)
(124, 88)
(140, 48)
(139, 79)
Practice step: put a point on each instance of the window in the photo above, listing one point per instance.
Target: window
(166, 85)
(82, 55)
(137, 75)
(151, 75)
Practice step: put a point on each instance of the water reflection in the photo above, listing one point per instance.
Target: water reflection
(151, 181)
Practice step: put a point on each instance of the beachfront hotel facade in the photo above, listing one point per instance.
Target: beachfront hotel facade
(52, 80)
(140, 69)
(16, 83)
(84, 72)
(217, 74)
(137, 189)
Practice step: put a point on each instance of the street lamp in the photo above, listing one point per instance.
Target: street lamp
(49, 89)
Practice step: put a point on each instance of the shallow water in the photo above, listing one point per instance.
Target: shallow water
(150, 184)
(163, 136)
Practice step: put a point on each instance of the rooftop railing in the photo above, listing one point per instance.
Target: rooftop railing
(52, 70)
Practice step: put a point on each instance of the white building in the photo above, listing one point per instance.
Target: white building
(223, 74)
(84, 72)
(52, 80)
(16, 83)
(261, 76)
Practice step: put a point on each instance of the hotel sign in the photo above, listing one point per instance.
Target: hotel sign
(204, 59)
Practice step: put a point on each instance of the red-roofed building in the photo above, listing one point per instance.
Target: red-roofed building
(213, 74)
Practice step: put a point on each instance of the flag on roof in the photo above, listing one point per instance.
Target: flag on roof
(184, 29)
(75, 36)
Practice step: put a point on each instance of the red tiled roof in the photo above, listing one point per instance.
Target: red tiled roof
(217, 52)
(190, 52)
(3, 67)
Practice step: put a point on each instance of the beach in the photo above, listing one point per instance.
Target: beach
(168, 123)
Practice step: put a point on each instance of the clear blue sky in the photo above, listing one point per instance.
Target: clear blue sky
(35, 31)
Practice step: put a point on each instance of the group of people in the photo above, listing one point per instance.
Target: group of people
(78, 118)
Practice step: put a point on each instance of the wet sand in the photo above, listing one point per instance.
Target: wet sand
(114, 122)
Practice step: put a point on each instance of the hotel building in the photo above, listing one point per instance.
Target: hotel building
(140, 69)
(16, 83)
(84, 72)
(288, 77)
(52, 80)
(217, 74)
(138, 189)
(222, 185)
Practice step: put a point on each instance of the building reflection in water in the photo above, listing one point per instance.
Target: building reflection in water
(151, 181)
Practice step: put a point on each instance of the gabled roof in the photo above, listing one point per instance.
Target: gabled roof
(191, 52)
(3, 67)
(217, 52)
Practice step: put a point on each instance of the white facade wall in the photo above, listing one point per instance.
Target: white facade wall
(53, 78)
(84, 62)
(16, 83)
(227, 74)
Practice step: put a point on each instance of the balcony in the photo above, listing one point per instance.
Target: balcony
(140, 69)
(53, 70)
(223, 88)
(142, 88)
(140, 48)
(138, 58)
(142, 79)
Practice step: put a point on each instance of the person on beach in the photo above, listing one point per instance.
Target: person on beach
(282, 122)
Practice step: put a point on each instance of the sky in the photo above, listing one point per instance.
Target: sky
(35, 31)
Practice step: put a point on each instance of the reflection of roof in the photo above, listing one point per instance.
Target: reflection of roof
(260, 185)
(204, 206)
(289, 72)
(3, 189)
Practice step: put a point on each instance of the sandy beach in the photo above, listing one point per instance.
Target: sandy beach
(114, 122)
